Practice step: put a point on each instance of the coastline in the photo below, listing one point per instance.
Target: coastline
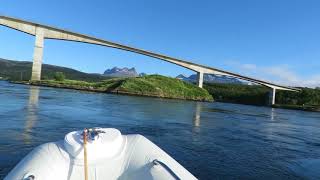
(121, 92)
(107, 91)
(297, 107)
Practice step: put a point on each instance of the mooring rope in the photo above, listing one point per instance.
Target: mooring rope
(85, 131)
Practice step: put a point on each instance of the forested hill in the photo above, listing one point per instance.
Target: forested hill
(21, 70)
(258, 95)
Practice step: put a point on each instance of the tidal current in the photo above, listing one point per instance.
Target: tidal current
(211, 140)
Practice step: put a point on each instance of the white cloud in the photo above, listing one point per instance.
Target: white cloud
(281, 74)
(249, 66)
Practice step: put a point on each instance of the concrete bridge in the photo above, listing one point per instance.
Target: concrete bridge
(42, 32)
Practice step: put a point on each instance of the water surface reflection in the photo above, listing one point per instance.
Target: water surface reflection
(32, 113)
(197, 117)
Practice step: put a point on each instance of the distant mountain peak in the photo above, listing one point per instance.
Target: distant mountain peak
(121, 72)
(181, 76)
(142, 74)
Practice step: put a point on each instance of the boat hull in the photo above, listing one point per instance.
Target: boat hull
(138, 158)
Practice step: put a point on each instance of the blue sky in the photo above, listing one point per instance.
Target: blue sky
(274, 40)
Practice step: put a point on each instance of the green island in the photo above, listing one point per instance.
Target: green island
(150, 85)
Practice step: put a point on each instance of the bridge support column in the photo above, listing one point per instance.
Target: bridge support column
(200, 79)
(272, 96)
(37, 55)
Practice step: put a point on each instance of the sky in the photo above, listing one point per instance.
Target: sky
(273, 40)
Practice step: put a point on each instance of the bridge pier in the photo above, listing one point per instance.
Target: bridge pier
(272, 96)
(37, 54)
(200, 79)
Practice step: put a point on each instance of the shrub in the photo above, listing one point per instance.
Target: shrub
(59, 76)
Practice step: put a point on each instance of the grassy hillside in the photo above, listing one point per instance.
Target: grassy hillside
(164, 87)
(21, 70)
(151, 85)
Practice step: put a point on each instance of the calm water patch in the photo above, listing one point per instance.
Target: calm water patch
(212, 140)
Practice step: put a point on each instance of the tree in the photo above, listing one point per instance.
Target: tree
(59, 76)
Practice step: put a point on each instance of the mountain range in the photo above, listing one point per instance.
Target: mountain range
(211, 78)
